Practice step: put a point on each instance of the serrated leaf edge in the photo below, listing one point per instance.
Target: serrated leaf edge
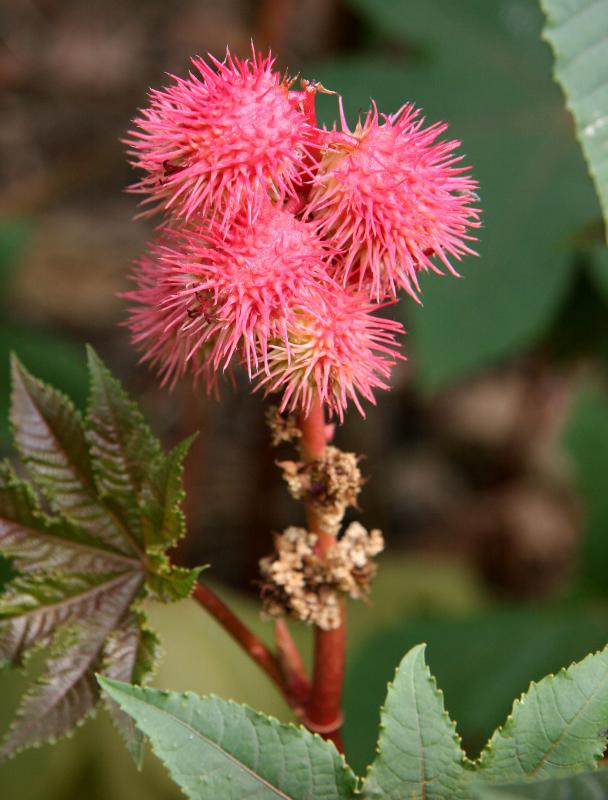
(267, 719)
(467, 764)
(506, 728)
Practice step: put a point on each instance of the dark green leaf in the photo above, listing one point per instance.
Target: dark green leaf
(123, 450)
(481, 663)
(577, 30)
(488, 74)
(14, 235)
(598, 269)
(418, 753)
(214, 748)
(6, 572)
(36, 541)
(167, 583)
(587, 786)
(130, 653)
(558, 728)
(162, 497)
(586, 441)
(50, 356)
(34, 607)
(51, 442)
(83, 572)
(67, 693)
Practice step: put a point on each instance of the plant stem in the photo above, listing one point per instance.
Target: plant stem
(254, 647)
(320, 705)
(292, 666)
(324, 708)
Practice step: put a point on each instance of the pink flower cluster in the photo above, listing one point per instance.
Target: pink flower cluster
(282, 240)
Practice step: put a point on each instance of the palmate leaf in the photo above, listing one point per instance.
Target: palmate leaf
(66, 693)
(49, 436)
(419, 753)
(123, 449)
(162, 517)
(83, 570)
(557, 729)
(215, 748)
(130, 653)
(35, 541)
(577, 30)
(144, 485)
(586, 786)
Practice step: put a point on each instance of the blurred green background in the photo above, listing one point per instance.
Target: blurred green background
(487, 460)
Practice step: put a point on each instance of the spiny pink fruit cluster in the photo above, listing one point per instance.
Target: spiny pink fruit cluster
(282, 240)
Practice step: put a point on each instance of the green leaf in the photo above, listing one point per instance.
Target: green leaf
(557, 728)
(481, 661)
(82, 571)
(34, 541)
(162, 497)
(168, 584)
(50, 356)
(419, 753)
(50, 438)
(585, 439)
(6, 572)
(577, 30)
(14, 236)
(66, 693)
(34, 607)
(488, 74)
(123, 449)
(130, 653)
(214, 748)
(587, 786)
(598, 269)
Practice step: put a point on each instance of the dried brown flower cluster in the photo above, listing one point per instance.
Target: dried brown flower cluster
(329, 484)
(306, 586)
(283, 427)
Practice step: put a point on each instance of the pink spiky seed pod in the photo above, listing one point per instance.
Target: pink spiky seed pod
(391, 196)
(252, 275)
(338, 351)
(221, 140)
(174, 337)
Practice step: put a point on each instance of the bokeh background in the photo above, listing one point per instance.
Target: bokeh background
(487, 462)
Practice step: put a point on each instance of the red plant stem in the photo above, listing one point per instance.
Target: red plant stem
(324, 708)
(254, 647)
(292, 666)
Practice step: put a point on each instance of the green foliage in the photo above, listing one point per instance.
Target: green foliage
(481, 661)
(419, 753)
(215, 748)
(84, 568)
(587, 786)
(577, 31)
(535, 192)
(51, 355)
(586, 442)
(557, 729)
(14, 234)
(6, 573)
